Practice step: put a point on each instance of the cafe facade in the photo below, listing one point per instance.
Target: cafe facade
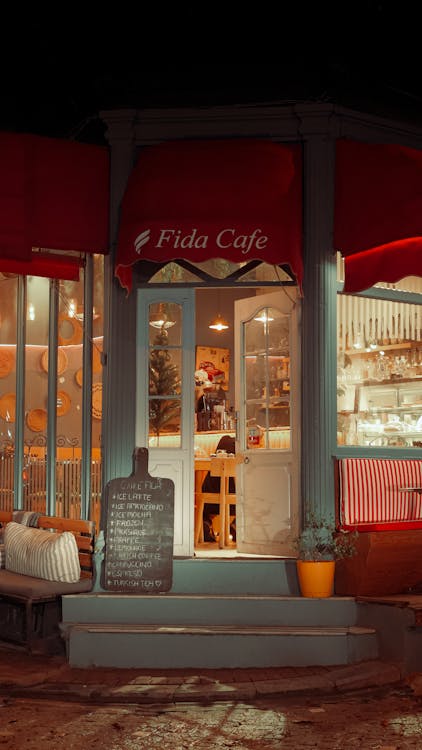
(298, 228)
(292, 188)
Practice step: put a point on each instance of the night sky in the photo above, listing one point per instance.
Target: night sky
(60, 68)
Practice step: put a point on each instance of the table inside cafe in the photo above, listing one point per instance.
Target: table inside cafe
(205, 444)
(222, 465)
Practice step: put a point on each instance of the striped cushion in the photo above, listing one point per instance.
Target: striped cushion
(42, 554)
(27, 517)
(370, 490)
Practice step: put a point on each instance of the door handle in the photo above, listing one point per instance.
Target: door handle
(246, 460)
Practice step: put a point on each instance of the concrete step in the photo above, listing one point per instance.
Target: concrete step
(260, 576)
(212, 610)
(175, 646)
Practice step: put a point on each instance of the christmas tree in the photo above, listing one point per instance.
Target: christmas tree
(163, 381)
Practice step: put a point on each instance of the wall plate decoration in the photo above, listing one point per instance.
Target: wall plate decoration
(7, 362)
(70, 330)
(63, 403)
(79, 377)
(36, 420)
(97, 400)
(96, 358)
(8, 407)
(61, 361)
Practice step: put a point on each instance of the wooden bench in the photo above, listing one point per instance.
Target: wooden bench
(30, 607)
(382, 499)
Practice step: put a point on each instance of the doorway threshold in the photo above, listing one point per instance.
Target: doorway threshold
(229, 553)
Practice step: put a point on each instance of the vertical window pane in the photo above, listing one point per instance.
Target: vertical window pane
(165, 375)
(69, 398)
(267, 380)
(36, 392)
(97, 380)
(8, 296)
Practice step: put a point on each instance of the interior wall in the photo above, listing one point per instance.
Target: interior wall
(210, 302)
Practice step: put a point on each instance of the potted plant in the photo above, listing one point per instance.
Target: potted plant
(318, 546)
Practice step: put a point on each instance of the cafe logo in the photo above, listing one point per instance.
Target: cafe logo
(142, 240)
(225, 239)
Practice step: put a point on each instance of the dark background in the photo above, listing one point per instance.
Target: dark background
(60, 66)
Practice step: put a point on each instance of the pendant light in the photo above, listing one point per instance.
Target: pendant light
(218, 323)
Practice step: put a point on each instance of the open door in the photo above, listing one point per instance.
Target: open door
(268, 421)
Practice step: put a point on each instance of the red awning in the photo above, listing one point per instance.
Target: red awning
(378, 212)
(234, 199)
(49, 265)
(54, 194)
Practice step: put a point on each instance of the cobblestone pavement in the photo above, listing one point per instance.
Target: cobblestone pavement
(46, 704)
(381, 719)
(35, 676)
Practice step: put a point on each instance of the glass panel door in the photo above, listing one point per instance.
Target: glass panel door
(268, 407)
(267, 379)
(164, 397)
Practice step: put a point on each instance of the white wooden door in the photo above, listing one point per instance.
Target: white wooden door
(164, 397)
(268, 420)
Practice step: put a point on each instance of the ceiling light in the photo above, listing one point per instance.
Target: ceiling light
(218, 323)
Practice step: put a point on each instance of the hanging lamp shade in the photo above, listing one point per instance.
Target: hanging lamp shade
(219, 323)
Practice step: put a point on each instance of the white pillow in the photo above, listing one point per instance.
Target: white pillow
(42, 554)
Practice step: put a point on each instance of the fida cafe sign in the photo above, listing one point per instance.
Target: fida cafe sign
(225, 239)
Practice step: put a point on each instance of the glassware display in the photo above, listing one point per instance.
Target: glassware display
(379, 373)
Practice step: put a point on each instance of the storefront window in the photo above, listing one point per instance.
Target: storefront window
(8, 312)
(379, 372)
(36, 393)
(267, 380)
(27, 305)
(216, 268)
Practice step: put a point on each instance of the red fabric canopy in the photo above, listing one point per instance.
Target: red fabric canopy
(378, 212)
(388, 263)
(49, 265)
(54, 194)
(234, 199)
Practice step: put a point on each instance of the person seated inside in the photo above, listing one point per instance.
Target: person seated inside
(212, 484)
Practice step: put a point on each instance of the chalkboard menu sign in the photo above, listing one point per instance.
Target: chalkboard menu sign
(138, 531)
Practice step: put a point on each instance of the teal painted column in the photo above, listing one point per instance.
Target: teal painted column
(119, 371)
(318, 327)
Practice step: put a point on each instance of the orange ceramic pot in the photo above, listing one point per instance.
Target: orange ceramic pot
(316, 579)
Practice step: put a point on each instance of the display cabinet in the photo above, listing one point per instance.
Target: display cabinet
(379, 397)
(390, 414)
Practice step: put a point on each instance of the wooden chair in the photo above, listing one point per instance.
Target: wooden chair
(224, 468)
